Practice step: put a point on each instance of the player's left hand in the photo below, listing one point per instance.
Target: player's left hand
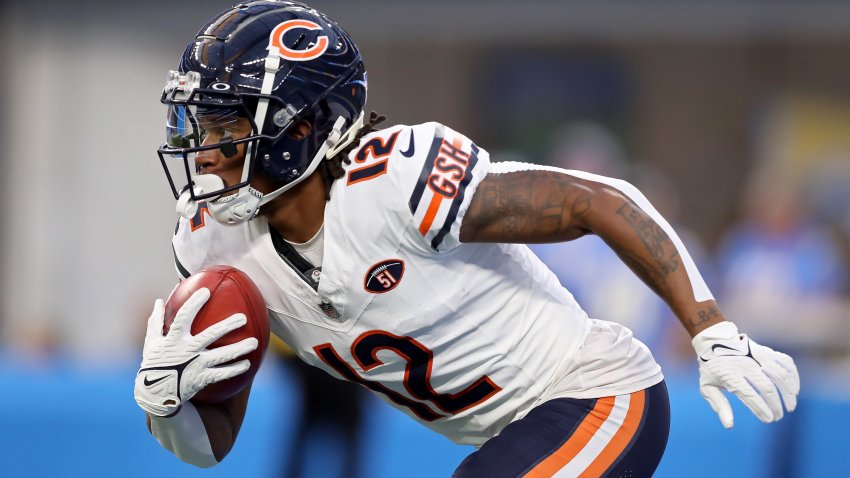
(177, 365)
(758, 375)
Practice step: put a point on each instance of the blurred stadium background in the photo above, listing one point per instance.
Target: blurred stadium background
(733, 116)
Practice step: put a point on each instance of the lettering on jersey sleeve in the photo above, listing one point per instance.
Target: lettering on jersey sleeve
(375, 148)
(444, 177)
(419, 190)
(458, 200)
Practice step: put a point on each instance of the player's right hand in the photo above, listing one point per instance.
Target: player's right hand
(177, 365)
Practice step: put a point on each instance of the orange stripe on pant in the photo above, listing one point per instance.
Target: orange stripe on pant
(620, 440)
(585, 431)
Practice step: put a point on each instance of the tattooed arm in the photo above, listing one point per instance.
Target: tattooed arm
(539, 206)
(528, 204)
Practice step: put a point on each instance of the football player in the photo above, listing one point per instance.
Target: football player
(395, 259)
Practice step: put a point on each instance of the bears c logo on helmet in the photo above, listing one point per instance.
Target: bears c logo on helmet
(276, 41)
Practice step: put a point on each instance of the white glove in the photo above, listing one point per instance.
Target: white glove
(177, 365)
(758, 375)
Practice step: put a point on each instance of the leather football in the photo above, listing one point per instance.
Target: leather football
(231, 292)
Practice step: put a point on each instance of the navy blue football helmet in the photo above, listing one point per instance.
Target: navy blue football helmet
(273, 63)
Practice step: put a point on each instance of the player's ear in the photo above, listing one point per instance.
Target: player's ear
(301, 130)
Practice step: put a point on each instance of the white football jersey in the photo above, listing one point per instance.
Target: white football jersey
(465, 338)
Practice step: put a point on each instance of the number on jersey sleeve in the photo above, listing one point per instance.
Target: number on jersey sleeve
(375, 148)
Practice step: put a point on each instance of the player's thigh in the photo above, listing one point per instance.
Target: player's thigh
(616, 436)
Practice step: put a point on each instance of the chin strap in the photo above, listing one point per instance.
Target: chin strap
(229, 210)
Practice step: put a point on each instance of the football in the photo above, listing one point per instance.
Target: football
(231, 292)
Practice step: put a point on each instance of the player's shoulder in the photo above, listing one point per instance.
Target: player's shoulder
(387, 161)
(415, 175)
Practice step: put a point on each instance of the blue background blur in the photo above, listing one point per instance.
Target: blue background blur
(733, 117)
(68, 423)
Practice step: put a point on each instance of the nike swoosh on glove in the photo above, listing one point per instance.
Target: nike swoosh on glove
(177, 365)
(757, 375)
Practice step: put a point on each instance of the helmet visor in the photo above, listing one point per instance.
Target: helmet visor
(193, 132)
(179, 128)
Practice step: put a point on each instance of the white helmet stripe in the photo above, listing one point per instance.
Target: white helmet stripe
(247, 192)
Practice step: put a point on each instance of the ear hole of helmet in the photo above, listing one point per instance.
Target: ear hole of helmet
(284, 116)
